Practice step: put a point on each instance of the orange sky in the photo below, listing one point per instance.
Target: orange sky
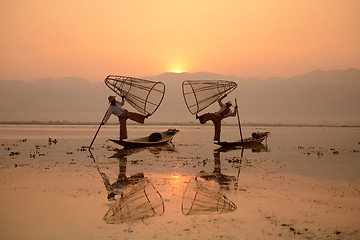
(92, 39)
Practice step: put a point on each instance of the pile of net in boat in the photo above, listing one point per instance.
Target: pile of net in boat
(144, 95)
(142, 201)
(199, 94)
(198, 199)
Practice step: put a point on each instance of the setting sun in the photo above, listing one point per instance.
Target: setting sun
(177, 71)
(177, 66)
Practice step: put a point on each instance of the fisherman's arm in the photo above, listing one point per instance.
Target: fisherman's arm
(122, 100)
(221, 98)
(107, 116)
(233, 113)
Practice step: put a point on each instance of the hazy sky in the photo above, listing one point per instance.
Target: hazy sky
(92, 39)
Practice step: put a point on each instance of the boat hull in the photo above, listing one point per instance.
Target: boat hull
(246, 141)
(167, 137)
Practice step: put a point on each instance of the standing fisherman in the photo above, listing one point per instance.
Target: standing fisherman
(117, 109)
(216, 117)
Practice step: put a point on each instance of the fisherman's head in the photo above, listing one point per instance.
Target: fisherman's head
(228, 104)
(111, 99)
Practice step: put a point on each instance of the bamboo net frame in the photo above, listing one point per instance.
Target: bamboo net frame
(144, 95)
(199, 94)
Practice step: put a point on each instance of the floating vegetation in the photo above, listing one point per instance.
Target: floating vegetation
(320, 152)
(235, 160)
(136, 161)
(82, 149)
(14, 153)
(37, 152)
(52, 141)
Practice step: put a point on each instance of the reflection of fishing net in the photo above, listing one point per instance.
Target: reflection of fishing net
(198, 95)
(144, 95)
(142, 201)
(197, 199)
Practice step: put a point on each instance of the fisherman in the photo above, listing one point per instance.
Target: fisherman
(216, 117)
(117, 109)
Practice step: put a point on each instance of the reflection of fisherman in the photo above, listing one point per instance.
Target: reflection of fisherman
(216, 175)
(216, 117)
(122, 180)
(117, 109)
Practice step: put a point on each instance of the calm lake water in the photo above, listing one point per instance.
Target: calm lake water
(58, 190)
(333, 150)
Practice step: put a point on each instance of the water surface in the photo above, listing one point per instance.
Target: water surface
(53, 188)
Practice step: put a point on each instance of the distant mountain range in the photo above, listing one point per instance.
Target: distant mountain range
(319, 97)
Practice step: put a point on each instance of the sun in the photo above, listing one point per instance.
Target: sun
(177, 67)
(177, 71)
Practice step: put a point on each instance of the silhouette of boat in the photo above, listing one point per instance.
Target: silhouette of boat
(151, 140)
(256, 138)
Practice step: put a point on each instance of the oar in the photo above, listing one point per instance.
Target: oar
(238, 117)
(240, 163)
(98, 129)
(103, 176)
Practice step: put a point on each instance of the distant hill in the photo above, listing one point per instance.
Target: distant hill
(319, 97)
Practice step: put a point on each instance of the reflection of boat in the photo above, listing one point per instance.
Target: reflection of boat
(255, 147)
(156, 149)
(151, 140)
(256, 138)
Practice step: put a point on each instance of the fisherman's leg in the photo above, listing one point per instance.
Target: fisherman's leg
(217, 125)
(217, 165)
(205, 117)
(122, 168)
(136, 117)
(123, 128)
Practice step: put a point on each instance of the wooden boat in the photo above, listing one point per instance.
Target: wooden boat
(256, 137)
(151, 140)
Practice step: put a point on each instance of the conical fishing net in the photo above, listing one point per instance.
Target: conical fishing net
(142, 201)
(197, 199)
(200, 94)
(144, 95)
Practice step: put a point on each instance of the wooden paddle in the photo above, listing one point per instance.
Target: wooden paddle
(98, 129)
(242, 141)
(238, 117)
